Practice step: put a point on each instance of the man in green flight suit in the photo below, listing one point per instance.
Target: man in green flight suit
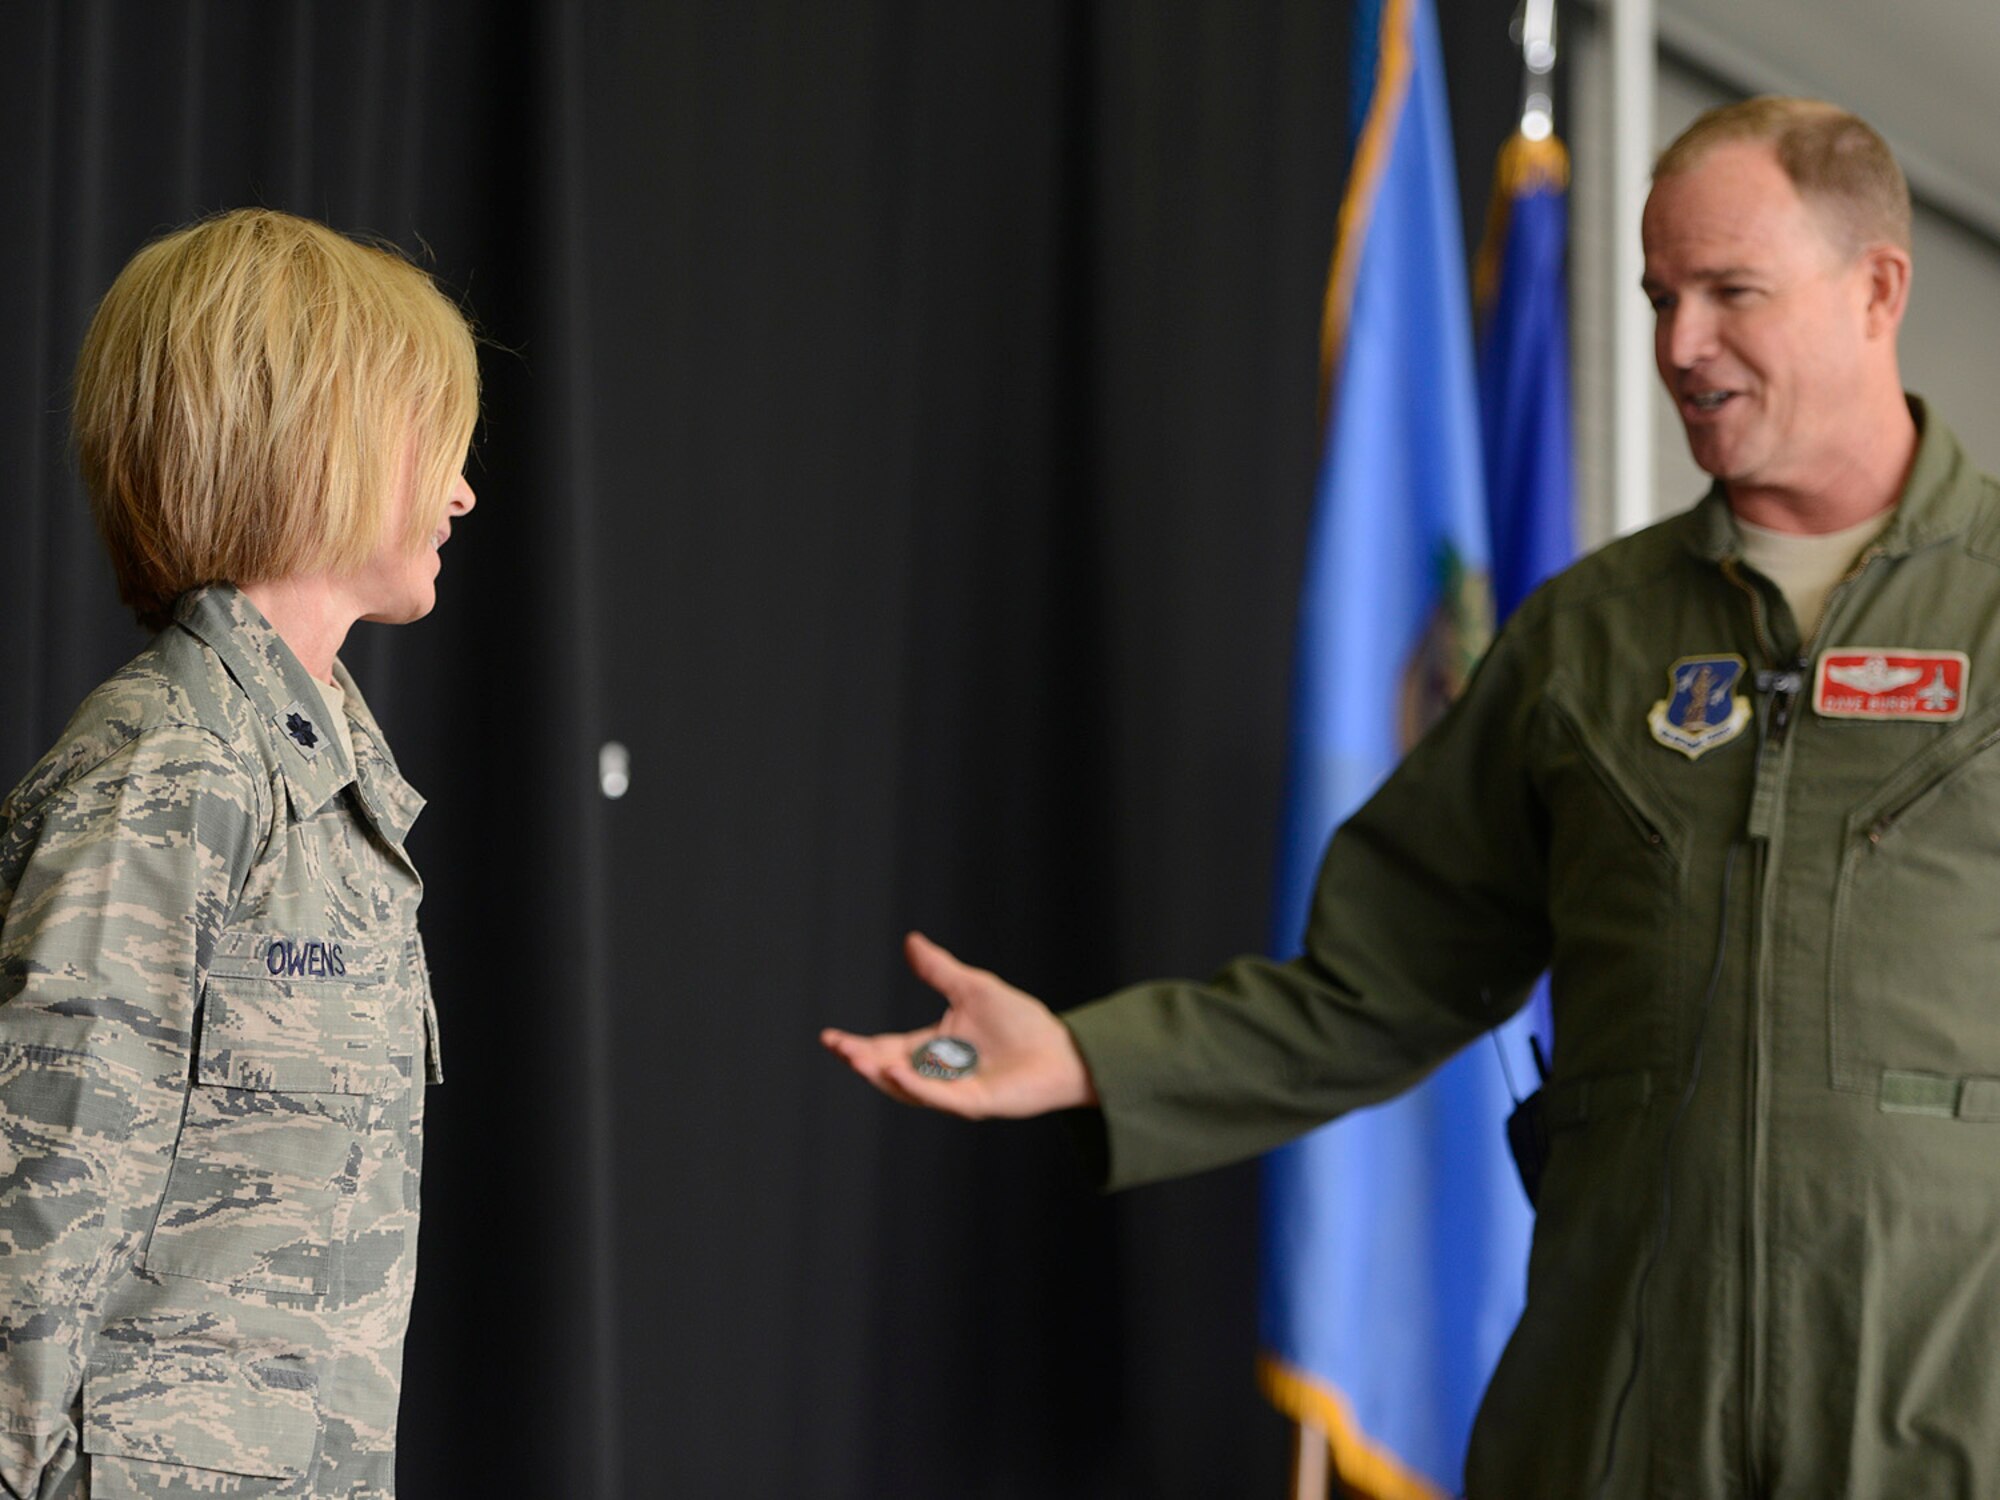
(1734, 781)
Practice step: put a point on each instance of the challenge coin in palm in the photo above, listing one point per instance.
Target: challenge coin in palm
(945, 1057)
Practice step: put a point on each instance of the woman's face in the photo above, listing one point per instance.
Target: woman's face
(398, 584)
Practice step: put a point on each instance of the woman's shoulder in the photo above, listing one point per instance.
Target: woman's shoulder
(174, 699)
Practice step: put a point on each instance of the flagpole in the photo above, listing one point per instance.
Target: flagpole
(1310, 1469)
(1633, 65)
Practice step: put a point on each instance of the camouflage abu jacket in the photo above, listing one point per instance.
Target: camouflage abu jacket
(1769, 916)
(215, 1025)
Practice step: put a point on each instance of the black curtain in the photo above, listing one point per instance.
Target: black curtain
(899, 435)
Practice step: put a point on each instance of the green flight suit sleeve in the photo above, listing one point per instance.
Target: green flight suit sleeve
(115, 883)
(1428, 926)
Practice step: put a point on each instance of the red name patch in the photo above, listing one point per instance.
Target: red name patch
(1883, 682)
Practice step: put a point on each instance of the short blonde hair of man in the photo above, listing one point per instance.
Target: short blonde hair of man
(245, 398)
(1839, 165)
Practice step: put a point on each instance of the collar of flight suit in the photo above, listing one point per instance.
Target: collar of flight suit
(1936, 503)
(313, 754)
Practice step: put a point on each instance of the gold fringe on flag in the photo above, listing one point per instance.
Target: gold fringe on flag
(1371, 159)
(1524, 167)
(1367, 1472)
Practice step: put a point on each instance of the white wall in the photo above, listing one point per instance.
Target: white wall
(1951, 340)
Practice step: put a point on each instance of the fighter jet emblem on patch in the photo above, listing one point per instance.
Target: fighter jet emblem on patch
(1885, 682)
(1703, 709)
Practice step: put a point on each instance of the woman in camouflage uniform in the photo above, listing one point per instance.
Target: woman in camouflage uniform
(215, 1021)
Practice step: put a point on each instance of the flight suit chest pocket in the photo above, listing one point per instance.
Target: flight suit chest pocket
(1617, 854)
(293, 1073)
(1913, 991)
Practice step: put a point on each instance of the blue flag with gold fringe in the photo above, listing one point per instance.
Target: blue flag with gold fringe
(1395, 1240)
(1524, 405)
(1524, 369)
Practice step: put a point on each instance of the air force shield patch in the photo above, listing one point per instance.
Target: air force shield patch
(1703, 708)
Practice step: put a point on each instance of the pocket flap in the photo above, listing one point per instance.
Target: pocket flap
(242, 1412)
(319, 1032)
(252, 1037)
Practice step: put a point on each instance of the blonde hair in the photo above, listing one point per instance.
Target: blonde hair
(245, 396)
(1839, 165)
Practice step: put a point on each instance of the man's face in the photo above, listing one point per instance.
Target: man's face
(1761, 320)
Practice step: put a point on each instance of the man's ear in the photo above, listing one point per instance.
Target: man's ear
(1887, 268)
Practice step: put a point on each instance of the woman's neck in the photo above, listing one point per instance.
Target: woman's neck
(310, 615)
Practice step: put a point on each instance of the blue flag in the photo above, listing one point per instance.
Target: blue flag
(1524, 388)
(1395, 1241)
(1524, 369)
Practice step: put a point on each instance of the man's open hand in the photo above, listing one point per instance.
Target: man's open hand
(1028, 1062)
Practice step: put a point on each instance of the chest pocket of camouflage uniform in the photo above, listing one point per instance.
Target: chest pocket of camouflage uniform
(293, 1071)
(1913, 1001)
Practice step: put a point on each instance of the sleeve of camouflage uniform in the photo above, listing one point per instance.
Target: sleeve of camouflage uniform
(1429, 923)
(115, 882)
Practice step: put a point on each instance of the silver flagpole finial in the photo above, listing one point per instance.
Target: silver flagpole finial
(1534, 28)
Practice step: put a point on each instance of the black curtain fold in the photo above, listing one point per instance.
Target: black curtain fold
(898, 434)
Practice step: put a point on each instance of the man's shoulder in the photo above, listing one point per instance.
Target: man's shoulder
(1982, 532)
(1662, 555)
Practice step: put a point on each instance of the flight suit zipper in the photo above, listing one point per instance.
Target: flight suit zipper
(1879, 826)
(1770, 780)
(1765, 792)
(1593, 757)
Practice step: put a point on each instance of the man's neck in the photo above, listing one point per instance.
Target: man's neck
(311, 617)
(1864, 479)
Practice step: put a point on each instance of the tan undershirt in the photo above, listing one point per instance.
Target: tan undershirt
(1805, 568)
